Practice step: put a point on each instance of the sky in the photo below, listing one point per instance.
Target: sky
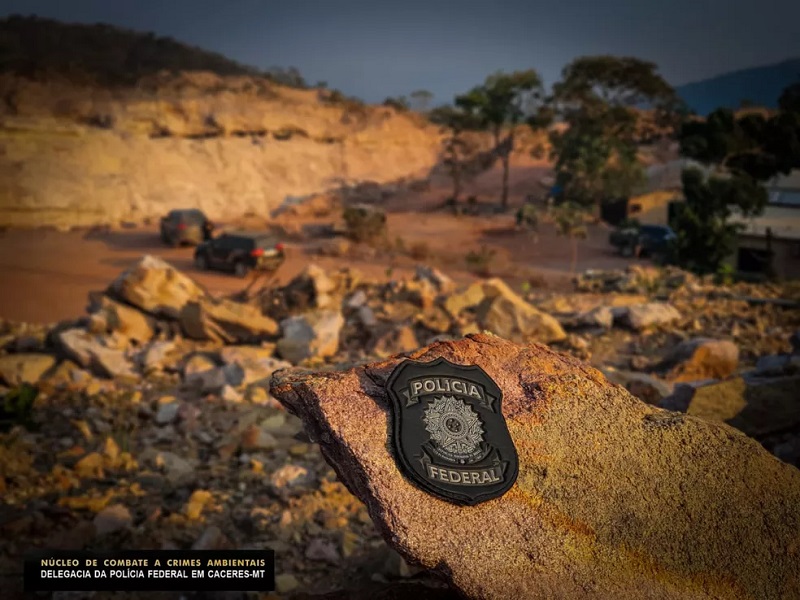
(377, 49)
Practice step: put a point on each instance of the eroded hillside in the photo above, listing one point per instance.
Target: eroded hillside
(81, 155)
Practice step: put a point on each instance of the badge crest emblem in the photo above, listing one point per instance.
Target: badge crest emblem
(449, 436)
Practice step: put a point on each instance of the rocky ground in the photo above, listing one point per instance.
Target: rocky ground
(152, 425)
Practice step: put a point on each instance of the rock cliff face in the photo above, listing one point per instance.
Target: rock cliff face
(614, 498)
(83, 155)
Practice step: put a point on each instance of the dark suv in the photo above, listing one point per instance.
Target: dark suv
(240, 252)
(642, 240)
(186, 226)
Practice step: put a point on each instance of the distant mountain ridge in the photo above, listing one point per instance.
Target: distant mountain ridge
(761, 86)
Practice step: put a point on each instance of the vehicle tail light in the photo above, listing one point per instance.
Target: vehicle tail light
(279, 247)
(257, 252)
(181, 226)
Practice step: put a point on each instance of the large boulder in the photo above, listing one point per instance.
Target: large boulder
(702, 358)
(442, 283)
(315, 335)
(614, 498)
(505, 314)
(312, 288)
(125, 320)
(89, 352)
(226, 322)
(756, 406)
(28, 367)
(468, 298)
(156, 287)
(650, 314)
(158, 355)
(257, 363)
(419, 292)
(600, 316)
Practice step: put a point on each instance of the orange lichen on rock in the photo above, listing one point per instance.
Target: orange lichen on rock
(614, 498)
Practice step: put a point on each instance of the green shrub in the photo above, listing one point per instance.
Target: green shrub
(725, 274)
(365, 223)
(400, 103)
(17, 407)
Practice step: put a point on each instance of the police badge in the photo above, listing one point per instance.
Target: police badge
(448, 433)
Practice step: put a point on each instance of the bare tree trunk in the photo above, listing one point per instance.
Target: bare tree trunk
(504, 193)
(506, 160)
(456, 181)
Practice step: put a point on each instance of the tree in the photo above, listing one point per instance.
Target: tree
(456, 149)
(790, 99)
(400, 103)
(752, 145)
(613, 81)
(290, 77)
(504, 99)
(743, 152)
(705, 236)
(601, 99)
(422, 99)
(596, 157)
(570, 221)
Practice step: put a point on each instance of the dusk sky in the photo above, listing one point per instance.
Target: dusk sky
(378, 49)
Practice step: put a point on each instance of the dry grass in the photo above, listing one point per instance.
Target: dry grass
(480, 261)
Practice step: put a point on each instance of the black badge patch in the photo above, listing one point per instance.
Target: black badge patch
(449, 435)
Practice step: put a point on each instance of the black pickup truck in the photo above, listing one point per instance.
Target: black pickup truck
(642, 240)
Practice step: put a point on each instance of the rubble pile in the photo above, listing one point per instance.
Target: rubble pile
(153, 424)
(649, 328)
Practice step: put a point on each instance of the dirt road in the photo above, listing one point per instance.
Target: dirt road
(46, 275)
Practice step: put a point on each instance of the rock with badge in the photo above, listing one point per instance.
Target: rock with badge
(608, 486)
(448, 433)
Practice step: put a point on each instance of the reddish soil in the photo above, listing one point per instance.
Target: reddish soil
(46, 275)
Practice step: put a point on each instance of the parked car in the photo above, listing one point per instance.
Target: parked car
(240, 253)
(185, 226)
(642, 240)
